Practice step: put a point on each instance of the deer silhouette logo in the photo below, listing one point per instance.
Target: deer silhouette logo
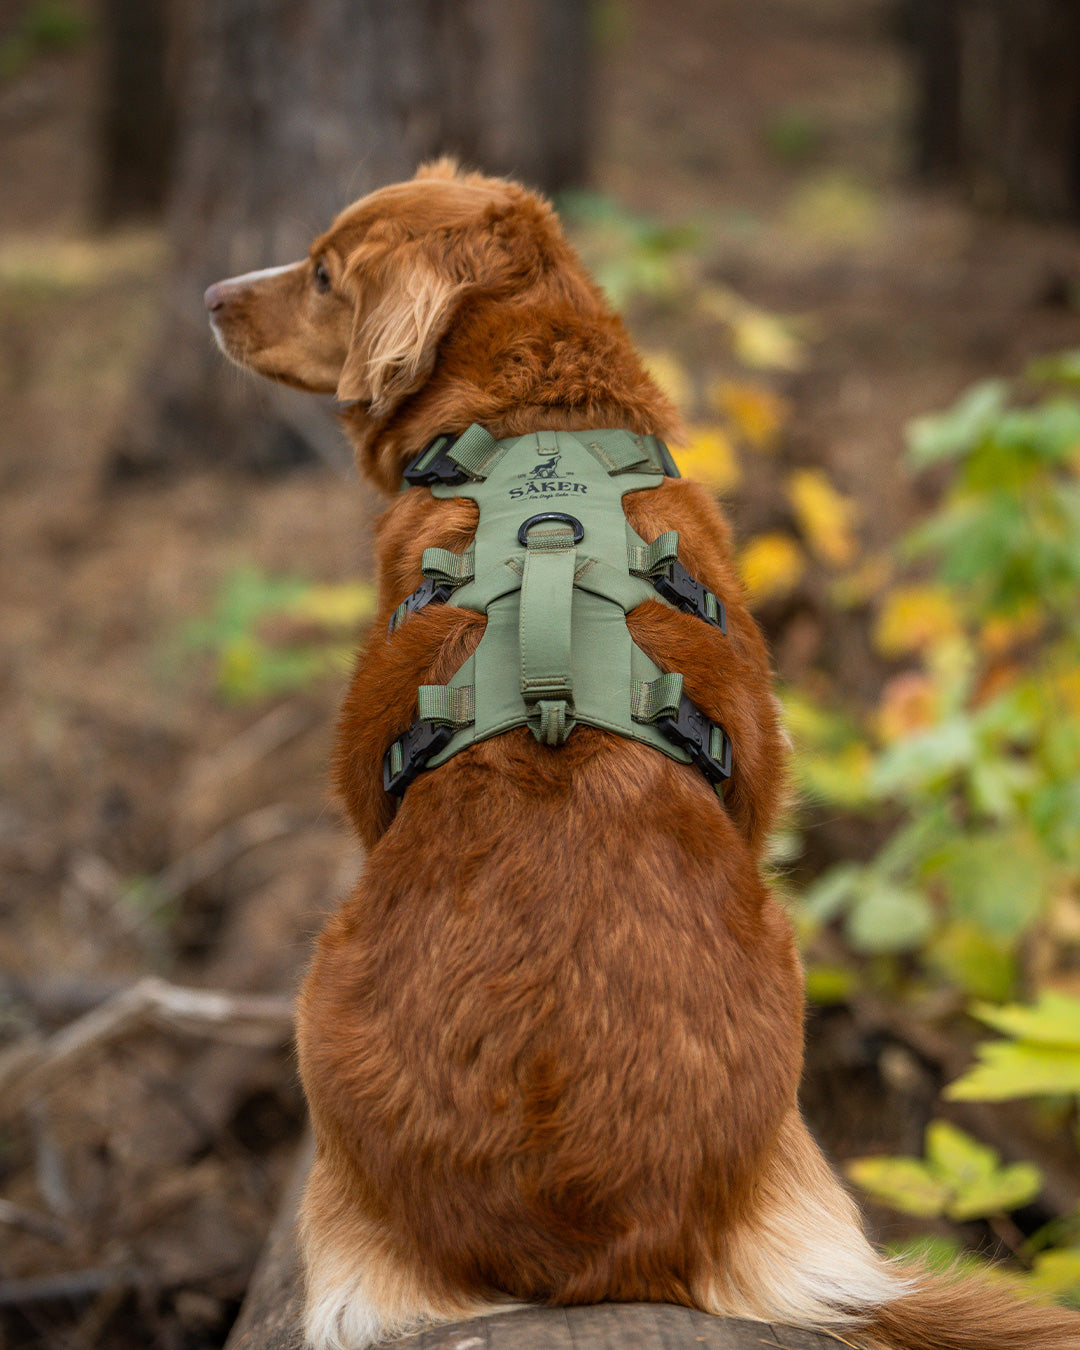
(547, 469)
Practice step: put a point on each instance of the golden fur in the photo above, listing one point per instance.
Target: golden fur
(552, 1042)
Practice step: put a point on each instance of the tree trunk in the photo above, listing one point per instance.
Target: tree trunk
(292, 108)
(138, 113)
(999, 100)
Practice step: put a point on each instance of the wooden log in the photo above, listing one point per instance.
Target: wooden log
(269, 1319)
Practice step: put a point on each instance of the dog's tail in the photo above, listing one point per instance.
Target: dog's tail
(802, 1258)
(966, 1314)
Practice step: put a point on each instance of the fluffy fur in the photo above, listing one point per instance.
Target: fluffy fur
(552, 1042)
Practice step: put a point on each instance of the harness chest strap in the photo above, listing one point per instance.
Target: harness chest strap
(555, 585)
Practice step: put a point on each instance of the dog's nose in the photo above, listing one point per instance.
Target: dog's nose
(215, 296)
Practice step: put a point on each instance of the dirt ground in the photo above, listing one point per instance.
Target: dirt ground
(149, 828)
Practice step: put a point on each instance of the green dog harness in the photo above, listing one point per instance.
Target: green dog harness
(555, 567)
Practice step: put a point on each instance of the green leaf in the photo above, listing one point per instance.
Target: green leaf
(1005, 1190)
(998, 882)
(972, 1171)
(1063, 367)
(1018, 1069)
(925, 760)
(961, 1178)
(827, 986)
(946, 435)
(832, 892)
(889, 918)
(902, 1183)
(1053, 1020)
(1055, 1274)
(980, 965)
(955, 1157)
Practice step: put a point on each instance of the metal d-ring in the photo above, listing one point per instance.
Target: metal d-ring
(526, 525)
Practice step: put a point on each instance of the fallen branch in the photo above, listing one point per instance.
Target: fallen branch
(78, 1284)
(30, 1221)
(217, 852)
(255, 1020)
(248, 749)
(91, 876)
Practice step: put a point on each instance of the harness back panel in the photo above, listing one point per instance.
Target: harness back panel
(555, 566)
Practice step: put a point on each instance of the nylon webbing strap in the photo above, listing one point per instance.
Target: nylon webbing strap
(620, 455)
(656, 698)
(476, 451)
(447, 704)
(555, 724)
(645, 559)
(443, 565)
(544, 626)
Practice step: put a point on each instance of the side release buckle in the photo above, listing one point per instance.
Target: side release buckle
(433, 465)
(685, 592)
(706, 742)
(425, 594)
(410, 753)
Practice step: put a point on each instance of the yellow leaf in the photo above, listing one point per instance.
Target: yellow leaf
(670, 374)
(836, 207)
(770, 566)
(902, 1183)
(758, 413)
(1003, 632)
(1064, 687)
(910, 703)
(825, 516)
(337, 606)
(868, 579)
(709, 457)
(913, 618)
(761, 340)
(763, 343)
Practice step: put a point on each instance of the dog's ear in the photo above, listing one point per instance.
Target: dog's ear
(393, 345)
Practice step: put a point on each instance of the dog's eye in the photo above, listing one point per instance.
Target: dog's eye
(322, 277)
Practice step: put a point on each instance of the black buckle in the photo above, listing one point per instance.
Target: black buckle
(688, 594)
(433, 465)
(692, 731)
(667, 463)
(428, 591)
(420, 743)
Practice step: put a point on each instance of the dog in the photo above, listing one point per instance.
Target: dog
(552, 1043)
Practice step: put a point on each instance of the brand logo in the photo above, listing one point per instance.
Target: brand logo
(545, 480)
(546, 470)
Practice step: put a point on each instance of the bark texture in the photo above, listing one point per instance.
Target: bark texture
(999, 101)
(138, 109)
(289, 110)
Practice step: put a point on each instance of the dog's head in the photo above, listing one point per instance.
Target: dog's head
(363, 315)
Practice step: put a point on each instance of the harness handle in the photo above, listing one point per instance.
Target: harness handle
(544, 622)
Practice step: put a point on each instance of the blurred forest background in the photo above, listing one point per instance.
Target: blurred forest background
(845, 234)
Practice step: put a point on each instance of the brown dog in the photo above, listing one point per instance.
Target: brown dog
(552, 1043)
